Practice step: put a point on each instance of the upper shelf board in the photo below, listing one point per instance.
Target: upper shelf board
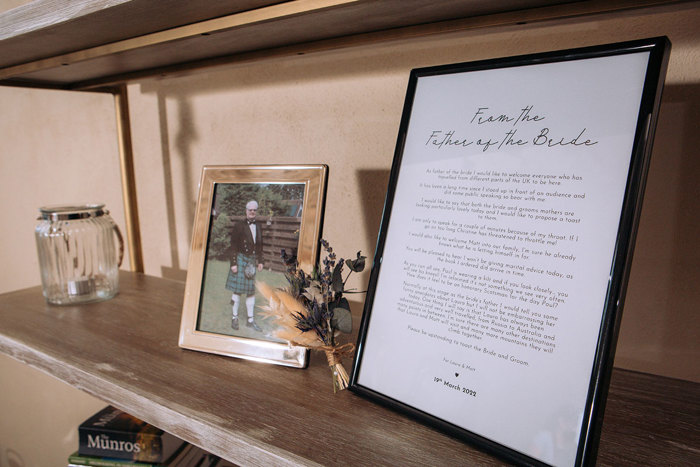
(80, 44)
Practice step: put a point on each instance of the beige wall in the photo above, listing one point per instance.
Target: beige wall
(57, 148)
(341, 108)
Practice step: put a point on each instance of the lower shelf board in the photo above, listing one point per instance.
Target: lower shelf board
(125, 352)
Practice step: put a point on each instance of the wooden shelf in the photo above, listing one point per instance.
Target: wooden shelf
(124, 351)
(83, 44)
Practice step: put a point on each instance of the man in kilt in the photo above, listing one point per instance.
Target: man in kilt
(246, 259)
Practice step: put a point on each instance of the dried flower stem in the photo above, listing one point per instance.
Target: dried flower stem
(334, 356)
(312, 310)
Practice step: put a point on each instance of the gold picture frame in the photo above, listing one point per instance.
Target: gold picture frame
(285, 205)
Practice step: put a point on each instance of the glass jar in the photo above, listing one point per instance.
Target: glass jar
(78, 257)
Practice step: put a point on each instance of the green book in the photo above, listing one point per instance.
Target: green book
(188, 456)
(77, 460)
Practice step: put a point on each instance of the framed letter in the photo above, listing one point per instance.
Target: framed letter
(246, 215)
(504, 251)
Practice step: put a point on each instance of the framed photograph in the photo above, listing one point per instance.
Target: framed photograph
(502, 261)
(246, 216)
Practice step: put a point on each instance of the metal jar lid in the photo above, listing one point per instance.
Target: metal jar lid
(63, 213)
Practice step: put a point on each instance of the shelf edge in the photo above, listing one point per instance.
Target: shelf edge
(186, 426)
(246, 18)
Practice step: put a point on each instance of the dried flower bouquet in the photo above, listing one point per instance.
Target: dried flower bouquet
(311, 312)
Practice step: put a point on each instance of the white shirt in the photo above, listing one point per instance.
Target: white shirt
(253, 230)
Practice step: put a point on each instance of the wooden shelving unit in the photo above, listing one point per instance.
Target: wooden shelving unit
(124, 351)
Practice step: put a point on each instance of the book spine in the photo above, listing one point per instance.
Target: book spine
(99, 462)
(120, 445)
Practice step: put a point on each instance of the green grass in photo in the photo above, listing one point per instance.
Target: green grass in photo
(216, 311)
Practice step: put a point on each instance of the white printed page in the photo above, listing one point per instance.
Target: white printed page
(499, 249)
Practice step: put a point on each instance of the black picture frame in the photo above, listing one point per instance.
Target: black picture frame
(387, 369)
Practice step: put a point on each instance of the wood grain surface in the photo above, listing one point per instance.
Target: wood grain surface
(81, 44)
(45, 28)
(124, 351)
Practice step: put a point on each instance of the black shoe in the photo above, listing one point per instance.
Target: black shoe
(254, 325)
(234, 323)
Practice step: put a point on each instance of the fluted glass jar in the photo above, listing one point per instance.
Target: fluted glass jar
(78, 256)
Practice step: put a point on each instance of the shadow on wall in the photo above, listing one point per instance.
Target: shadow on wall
(184, 139)
(372, 184)
(372, 187)
(666, 267)
(13, 458)
(685, 255)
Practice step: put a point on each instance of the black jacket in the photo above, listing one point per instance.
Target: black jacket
(242, 241)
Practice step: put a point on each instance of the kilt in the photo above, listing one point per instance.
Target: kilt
(238, 283)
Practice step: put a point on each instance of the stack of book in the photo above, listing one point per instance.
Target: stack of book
(113, 438)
